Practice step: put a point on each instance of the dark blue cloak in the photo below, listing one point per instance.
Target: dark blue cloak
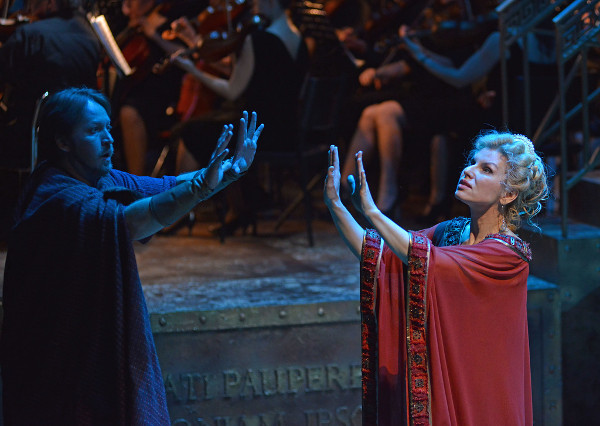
(77, 346)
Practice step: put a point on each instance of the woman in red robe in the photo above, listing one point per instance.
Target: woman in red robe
(444, 309)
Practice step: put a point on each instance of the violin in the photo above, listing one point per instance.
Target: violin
(211, 39)
(141, 51)
(453, 26)
(213, 19)
(217, 46)
(138, 48)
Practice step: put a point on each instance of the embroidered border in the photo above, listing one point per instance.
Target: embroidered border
(453, 231)
(419, 395)
(369, 265)
(515, 243)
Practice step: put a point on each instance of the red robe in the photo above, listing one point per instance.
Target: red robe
(465, 328)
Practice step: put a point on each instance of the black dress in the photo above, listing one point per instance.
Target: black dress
(272, 92)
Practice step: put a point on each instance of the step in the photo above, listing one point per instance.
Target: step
(572, 263)
(584, 199)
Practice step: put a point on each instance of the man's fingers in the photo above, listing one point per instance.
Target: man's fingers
(257, 133)
(252, 127)
(222, 156)
(242, 132)
(224, 139)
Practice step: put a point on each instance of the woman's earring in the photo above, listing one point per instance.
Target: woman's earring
(503, 227)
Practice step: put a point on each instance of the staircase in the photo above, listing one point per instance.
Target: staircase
(572, 263)
(566, 252)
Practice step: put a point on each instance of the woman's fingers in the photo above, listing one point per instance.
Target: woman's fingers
(363, 187)
(333, 175)
(336, 158)
(333, 158)
(360, 171)
(330, 176)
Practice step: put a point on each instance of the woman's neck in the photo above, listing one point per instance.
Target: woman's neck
(484, 224)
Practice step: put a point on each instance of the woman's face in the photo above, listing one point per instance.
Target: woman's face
(481, 183)
(90, 147)
(135, 9)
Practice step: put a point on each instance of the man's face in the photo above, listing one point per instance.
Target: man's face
(90, 147)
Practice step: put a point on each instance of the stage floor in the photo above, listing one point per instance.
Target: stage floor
(198, 272)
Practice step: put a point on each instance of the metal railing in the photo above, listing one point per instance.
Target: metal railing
(516, 19)
(577, 28)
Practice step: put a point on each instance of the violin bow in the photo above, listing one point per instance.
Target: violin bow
(468, 9)
(5, 10)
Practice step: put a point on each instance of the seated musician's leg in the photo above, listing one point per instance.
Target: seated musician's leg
(135, 139)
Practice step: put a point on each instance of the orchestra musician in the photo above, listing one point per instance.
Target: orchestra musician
(146, 101)
(409, 120)
(211, 37)
(267, 75)
(55, 50)
(58, 50)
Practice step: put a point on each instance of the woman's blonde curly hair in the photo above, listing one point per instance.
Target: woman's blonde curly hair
(525, 174)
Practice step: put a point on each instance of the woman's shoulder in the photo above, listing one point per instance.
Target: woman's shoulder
(449, 232)
(515, 243)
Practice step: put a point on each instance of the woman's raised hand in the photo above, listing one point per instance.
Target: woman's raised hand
(331, 193)
(361, 196)
(350, 230)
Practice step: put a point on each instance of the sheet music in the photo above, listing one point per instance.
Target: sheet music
(107, 39)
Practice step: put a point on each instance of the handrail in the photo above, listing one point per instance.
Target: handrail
(576, 28)
(517, 18)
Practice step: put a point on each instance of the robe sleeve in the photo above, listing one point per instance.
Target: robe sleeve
(473, 305)
(383, 328)
(146, 186)
(478, 337)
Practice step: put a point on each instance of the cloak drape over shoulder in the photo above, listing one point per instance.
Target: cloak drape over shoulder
(445, 339)
(77, 346)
